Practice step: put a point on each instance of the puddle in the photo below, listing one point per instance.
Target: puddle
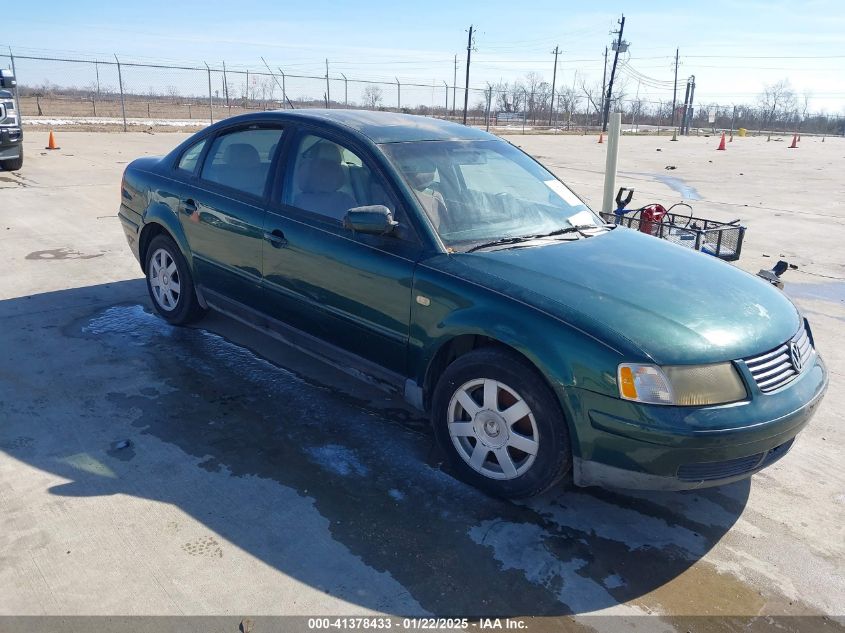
(833, 291)
(673, 182)
(676, 184)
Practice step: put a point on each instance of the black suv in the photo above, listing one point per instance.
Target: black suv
(11, 134)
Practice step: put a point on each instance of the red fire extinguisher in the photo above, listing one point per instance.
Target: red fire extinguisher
(650, 218)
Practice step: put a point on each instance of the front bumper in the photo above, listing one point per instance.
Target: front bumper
(11, 139)
(623, 444)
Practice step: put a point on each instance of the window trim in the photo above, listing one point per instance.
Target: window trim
(285, 179)
(216, 187)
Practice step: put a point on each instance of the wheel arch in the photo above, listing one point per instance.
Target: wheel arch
(460, 344)
(158, 221)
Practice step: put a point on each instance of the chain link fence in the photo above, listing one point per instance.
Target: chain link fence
(132, 94)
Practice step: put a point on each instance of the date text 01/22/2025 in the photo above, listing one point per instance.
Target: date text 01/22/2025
(387, 623)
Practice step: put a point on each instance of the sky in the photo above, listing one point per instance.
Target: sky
(732, 48)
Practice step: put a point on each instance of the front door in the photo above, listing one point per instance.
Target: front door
(351, 290)
(222, 210)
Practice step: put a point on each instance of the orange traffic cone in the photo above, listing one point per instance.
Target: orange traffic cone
(601, 137)
(722, 143)
(51, 143)
(794, 142)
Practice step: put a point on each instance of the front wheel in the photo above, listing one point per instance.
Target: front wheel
(169, 282)
(499, 425)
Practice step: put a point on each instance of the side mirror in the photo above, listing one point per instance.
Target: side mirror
(375, 219)
(7, 79)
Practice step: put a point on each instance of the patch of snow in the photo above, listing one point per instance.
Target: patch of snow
(337, 459)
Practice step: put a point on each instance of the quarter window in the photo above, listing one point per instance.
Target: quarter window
(189, 159)
(241, 160)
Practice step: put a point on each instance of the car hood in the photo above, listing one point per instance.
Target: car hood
(675, 305)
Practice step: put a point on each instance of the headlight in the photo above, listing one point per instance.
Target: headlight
(682, 385)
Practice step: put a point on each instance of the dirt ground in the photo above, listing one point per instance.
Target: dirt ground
(258, 481)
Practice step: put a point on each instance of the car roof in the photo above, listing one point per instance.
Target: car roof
(385, 127)
(6, 94)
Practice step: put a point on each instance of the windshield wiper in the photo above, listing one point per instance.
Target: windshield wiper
(527, 238)
(578, 228)
(501, 242)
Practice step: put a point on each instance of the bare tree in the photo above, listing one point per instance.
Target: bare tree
(805, 106)
(593, 94)
(172, 92)
(568, 100)
(371, 96)
(777, 101)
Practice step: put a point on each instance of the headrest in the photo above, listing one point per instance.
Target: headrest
(241, 155)
(324, 149)
(319, 175)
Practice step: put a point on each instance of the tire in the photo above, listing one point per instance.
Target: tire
(517, 383)
(13, 164)
(169, 282)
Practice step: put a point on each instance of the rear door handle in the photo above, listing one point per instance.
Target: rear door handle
(276, 238)
(189, 206)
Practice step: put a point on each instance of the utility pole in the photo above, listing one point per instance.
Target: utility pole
(604, 82)
(684, 111)
(328, 94)
(675, 89)
(454, 85)
(613, 74)
(555, 52)
(466, 85)
(691, 110)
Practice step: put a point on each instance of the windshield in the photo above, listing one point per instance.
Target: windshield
(479, 191)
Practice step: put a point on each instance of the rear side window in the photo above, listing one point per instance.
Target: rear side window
(189, 159)
(241, 160)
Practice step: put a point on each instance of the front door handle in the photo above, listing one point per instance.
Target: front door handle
(189, 206)
(276, 238)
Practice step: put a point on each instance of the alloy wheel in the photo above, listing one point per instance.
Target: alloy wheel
(164, 280)
(493, 429)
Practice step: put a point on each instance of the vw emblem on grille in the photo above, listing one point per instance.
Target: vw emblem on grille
(795, 356)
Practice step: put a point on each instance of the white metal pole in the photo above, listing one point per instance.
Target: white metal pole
(610, 164)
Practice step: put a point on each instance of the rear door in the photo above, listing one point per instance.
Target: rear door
(223, 205)
(351, 290)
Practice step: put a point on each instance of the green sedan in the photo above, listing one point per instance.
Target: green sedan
(443, 262)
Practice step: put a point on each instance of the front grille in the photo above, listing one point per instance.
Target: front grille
(709, 471)
(783, 364)
(706, 471)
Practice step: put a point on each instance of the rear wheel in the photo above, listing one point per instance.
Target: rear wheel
(169, 282)
(499, 425)
(13, 164)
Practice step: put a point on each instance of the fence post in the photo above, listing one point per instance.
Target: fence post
(446, 111)
(487, 113)
(328, 90)
(398, 94)
(122, 99)
(345, 91)
(210, 98)
(17, 101)
(284, 91)
(226, 88)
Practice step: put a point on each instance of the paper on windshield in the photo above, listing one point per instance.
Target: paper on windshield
(566, 195)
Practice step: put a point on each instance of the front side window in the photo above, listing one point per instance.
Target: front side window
(189, 159)
(478, 191)
(329, 179)
(241, 160)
